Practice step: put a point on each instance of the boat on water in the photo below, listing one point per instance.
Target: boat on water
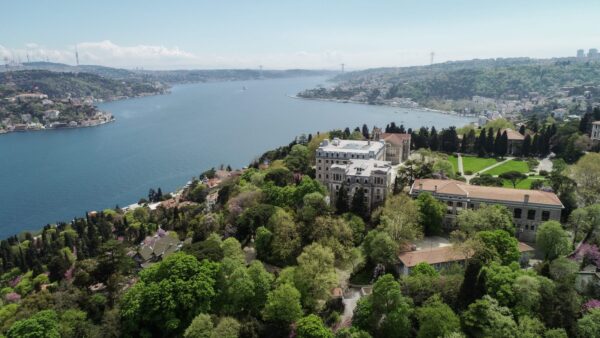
(244, 88)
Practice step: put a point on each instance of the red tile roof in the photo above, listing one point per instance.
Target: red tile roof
(394, 138)
(442, 255)
(513, 135)
(458, 188)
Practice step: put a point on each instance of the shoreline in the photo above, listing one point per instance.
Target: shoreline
(431, 110)
(60, 128)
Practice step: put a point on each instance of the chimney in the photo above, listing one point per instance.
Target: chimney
(526, 199)
(435, 188)
(420, 186)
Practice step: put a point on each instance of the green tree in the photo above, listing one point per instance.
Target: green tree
(486, 318)
(232, 249)
(380, 248)
(579, 223)
(505, 246)
(423, 268)
(334, 233)
(530, 327)
(359, 204)
(283, 305)
(432, 214)
(556, 333)
(589, 324)
(298, 160)
(262, 281)
(390, 310)
(227, 328)
(586, 174)
(552, 240)
(400, 219)
(169, 295)
(315, 275)
(286, 238)
(342, 201)
(43, 324)
(486, 217)
(201, 327)
(527, 292)
(436, 319)
(262, 244)
(312, 326)
(514, 177)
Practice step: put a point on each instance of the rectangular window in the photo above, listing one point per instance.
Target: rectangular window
(319, 160)
(530, 214)
(326, 176)
(450, 203)
(517, 212)
(545, 215)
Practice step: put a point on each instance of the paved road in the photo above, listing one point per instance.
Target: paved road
(460, 164)
(351, 297)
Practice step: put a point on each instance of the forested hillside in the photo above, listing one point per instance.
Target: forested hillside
(76, 85)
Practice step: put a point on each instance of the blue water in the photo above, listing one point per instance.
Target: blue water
(163, 141)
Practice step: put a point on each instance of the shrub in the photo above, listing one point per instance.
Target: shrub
(543, 173)
(468, 172)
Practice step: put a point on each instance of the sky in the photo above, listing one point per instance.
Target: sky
(283, 34)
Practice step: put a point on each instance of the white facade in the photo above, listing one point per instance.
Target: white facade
(595, 135)
(357, 165)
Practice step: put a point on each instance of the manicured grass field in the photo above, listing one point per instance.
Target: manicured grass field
(475, 164)
(524, 184)
(512, 165)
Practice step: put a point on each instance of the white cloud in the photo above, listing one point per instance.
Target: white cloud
(108, 53)
(104, 53)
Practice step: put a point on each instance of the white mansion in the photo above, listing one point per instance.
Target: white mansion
(357, 165)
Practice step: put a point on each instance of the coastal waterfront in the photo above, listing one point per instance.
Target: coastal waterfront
(162, 141)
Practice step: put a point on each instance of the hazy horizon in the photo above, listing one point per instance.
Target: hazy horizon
(307, 35)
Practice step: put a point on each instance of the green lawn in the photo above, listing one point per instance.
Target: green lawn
(512, 165)
(475, 164)
(524, 184)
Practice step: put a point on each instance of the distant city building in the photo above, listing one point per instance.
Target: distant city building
(529, 207)
(580, 53)
(593, 53)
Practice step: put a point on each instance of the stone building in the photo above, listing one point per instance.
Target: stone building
(529, 208)
(515, 142)
(356, 165)
(397, 146)
(595, 134)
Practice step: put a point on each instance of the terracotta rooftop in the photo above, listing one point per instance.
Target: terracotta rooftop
(395, 138)
(443, 254)
(431, 256)
(513, 135)
(457, 188)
